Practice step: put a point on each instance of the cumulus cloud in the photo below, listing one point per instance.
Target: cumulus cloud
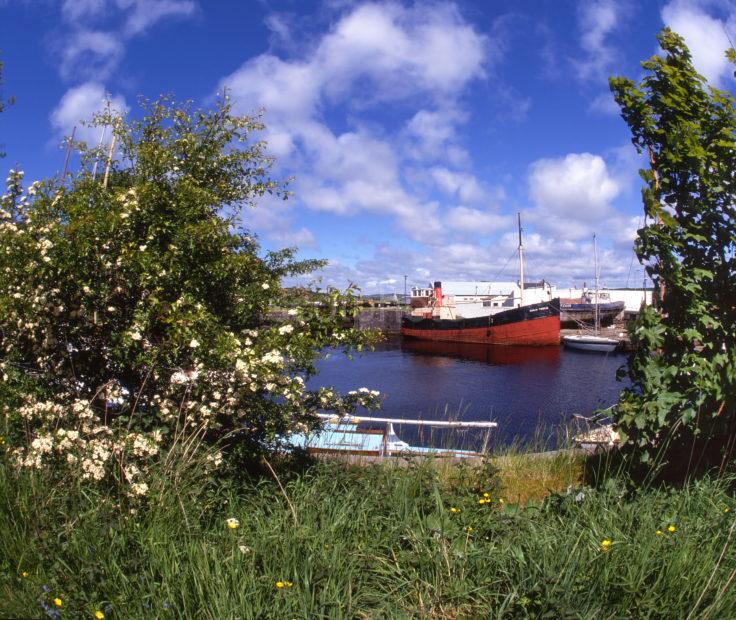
(81, 104)
(705, 36)
(475, 221)
(572, 194)
(375, 53)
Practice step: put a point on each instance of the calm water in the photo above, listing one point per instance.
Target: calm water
(521, 388)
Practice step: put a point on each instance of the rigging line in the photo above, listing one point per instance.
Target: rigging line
(508, 260)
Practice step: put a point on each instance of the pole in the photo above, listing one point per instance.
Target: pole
(521, 264)
(595, 263)
(404, 289)
(652, 163)
(99, 148)
(109, 156)
(68, 152)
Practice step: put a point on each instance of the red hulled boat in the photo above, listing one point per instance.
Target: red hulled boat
(536, 324)
(492, 319)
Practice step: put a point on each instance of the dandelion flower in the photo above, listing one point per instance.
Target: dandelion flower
(58, 602)
(454, 509)
(232, 523)
(280, 584)
(726, 510)
(605, 544)
(658, 532)
(99, 615)
(671, 529)
(486, 494)
(24, 574)
(500, 500)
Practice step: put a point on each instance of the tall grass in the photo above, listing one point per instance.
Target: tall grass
(366, 542)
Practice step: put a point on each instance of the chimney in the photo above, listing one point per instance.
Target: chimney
(438, 294)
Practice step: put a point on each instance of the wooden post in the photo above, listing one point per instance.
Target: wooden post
(109, 155)
(652, 163)
(68, 152)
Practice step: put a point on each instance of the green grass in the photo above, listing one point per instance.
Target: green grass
(369, 542)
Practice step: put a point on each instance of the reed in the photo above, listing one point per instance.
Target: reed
(418, 541)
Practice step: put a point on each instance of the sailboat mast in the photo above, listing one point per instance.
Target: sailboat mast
(521, 264)
(595, 259)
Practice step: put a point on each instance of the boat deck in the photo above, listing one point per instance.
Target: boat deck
(615, 331)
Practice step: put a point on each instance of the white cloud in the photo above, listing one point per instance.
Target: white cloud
(572, 194)
(597, 20)
(81, 104)
(705, 36)
(374, 54)
(146, 13)
(475, 221)
(432, 134)
(460, 184)
(605, 104)
(92, 53)
(74, 10)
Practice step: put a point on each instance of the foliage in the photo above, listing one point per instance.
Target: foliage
(134, 308)
(683, 368)
(373, 542)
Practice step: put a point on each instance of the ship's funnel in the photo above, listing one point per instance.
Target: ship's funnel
(438, 293)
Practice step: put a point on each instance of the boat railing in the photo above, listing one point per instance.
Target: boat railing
(388, 425)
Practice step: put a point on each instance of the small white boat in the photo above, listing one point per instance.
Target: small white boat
(592, 342)
(582, 342)
(341, 435)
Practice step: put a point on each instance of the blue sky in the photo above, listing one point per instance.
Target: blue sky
(414, 131)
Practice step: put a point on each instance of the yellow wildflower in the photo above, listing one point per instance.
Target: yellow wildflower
(605, 544)
(232, 523)
(469, 530)
(500, 500)
(24, 574)
(454, 509)
(671, 528)
(283, 584)
(726, 509)
(99, 615)
(658, 532)
(486, 494)
(58, 602)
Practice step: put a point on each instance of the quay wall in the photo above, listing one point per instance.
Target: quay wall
(388, 320)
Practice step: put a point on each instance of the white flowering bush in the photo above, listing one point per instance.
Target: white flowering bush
(134, 316)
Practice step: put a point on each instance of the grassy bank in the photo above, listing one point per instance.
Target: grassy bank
(418, 541)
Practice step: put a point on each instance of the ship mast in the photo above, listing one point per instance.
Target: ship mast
(595, 263)
(521, 265)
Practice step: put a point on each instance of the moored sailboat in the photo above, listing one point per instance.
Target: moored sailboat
(593, 342)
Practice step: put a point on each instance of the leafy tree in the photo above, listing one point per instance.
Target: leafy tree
(683, 368)
(135, 311)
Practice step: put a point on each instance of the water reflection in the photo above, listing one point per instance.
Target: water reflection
(488, 354)
(521, 388)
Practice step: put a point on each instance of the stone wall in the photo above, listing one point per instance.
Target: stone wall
(388, 320)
